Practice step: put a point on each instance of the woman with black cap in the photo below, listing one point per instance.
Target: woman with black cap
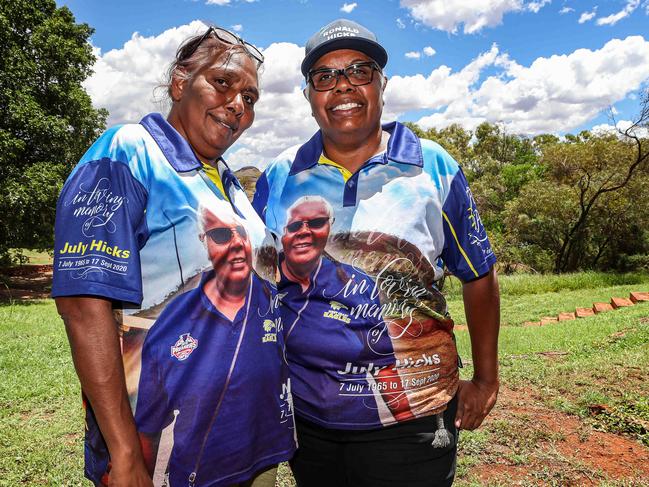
(368, 414)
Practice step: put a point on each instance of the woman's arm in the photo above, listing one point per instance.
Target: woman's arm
(95, 346)
(482, 307)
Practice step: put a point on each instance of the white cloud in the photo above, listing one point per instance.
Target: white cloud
(429, 51)
(553, 94)
(623, 125)
(448, 15)
(217, 2)
(237, 27)
(413, 55)
(613, 19)
(348, 7)
(282, 115)
(401, 24)
(586, 16)
(537, 5)
(566, 10)
(124, 79)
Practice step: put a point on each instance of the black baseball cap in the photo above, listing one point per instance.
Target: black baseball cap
(342, 34)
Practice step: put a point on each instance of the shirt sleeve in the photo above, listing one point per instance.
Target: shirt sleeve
(100, 227)
(467, 252)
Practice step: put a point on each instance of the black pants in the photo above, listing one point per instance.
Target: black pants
(395, 456)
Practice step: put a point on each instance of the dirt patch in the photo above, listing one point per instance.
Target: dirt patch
(540, 446)
(25, 282)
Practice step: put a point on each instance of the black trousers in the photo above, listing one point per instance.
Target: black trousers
(395, 456)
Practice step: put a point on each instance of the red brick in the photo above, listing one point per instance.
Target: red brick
(602, 307)
(639, 297)
(532, 323)
(566, 316)
(547, 320)
(584, 312)
(621, 302)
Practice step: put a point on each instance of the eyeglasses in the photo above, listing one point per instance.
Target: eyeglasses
(227, 37)
(222, 235)
(314, 223)
(358, 74)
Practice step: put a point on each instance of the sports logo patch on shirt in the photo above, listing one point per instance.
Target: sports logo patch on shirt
(270, 328)
(184, 347)
(337, 312)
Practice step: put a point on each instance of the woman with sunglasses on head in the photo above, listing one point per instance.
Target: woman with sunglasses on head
(401, 211)
(126, 249)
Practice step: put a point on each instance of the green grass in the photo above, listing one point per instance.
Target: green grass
(604, 360)
(34, 257)
(524, 284)
(530, 297)
(41, 419)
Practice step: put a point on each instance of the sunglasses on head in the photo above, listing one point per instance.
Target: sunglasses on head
(229, 38)
(314, 223)
(222, 235)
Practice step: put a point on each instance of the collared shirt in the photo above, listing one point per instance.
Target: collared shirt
(400, 218)
(127, 228)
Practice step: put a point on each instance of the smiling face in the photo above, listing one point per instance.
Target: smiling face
(347, 110)
(215, 105)
(304, 245)
(228, 248)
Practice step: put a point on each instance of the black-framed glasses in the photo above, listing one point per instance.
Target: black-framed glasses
(314, 223)
(358, 74)
(222, 235)
(227, 37)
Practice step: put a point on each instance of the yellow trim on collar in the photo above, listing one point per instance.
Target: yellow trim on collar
(215, 177)
(328, 162)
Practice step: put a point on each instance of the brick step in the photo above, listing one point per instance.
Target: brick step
(639, 297)
(621, 302)
(616, 303)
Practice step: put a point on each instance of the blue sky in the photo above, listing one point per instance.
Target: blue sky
(533, 65)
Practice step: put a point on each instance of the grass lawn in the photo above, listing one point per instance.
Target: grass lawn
(36, 257)
(570, 367)
(529, 297)
(41, 420)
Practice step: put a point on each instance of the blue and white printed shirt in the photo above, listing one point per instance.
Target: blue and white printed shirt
(398, 220)
(128, 229)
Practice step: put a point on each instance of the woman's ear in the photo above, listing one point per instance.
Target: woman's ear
(178, 83)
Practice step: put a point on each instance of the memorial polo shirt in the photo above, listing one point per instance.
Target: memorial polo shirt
(402, 217)
(128, 228)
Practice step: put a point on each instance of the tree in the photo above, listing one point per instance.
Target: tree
(596, 167)
(46, 117)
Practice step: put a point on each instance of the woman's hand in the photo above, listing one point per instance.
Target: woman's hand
(475, 401)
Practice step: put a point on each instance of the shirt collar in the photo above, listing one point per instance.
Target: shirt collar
(173, 145)
(403, 147)
(178, 151)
